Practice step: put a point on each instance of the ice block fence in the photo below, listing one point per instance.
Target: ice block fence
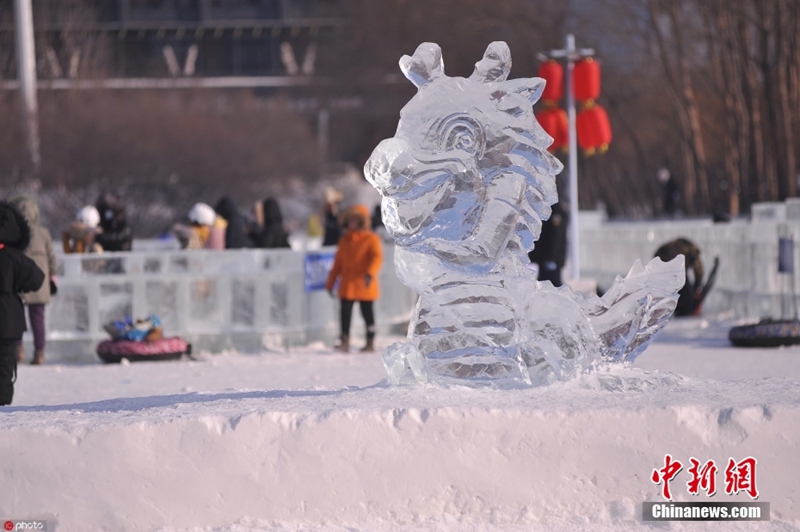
(248, 300)
(259, 297)
(748, 284)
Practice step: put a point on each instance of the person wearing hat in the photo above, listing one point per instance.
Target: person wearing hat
(80, 235)
(41, 251)
(207, 230)
(356, 266)
(18, 274)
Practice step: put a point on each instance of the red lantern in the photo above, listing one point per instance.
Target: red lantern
(553, 73)
(594, 130)
(586, 79)
(555, 123)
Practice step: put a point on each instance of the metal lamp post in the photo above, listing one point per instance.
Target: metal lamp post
(572, 54)
(26, 66)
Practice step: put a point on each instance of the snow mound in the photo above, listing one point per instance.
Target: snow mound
(570, 456)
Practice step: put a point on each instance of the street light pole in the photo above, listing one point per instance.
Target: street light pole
(572, 54)
(26, 66)
(574, 249)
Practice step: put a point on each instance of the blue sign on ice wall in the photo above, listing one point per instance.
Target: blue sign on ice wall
(317, 267)
(785, 255)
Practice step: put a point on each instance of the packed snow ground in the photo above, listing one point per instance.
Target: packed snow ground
(311, 440)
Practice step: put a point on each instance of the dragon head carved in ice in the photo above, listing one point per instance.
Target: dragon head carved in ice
(467, 175)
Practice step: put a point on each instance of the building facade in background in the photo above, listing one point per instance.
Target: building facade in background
(164, 38)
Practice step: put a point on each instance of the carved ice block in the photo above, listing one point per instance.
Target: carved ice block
(466, 183)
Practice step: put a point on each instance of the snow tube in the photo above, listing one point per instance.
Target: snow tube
(113, 351)
(767, 333)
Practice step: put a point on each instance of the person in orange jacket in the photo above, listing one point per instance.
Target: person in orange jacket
(356, 266)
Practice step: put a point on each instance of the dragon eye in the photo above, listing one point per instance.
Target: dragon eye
(462, 132)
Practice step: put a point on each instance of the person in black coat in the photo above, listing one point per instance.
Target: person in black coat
(672, 192)
(333, 232)
(18, 274)
(272, 235)
(235, 236)
(117, 234)
(550, 251)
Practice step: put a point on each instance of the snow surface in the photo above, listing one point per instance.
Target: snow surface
(311, 440)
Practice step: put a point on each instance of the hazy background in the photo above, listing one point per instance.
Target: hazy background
(709, 89)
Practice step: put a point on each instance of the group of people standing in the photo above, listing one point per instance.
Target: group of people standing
(104, 227)
(115, 232)
(358, 258)
(356, 264)
(99, 227)
(28, 262)
(225, 227)
(28, 268)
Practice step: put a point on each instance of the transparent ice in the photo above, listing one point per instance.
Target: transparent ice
(466, 182)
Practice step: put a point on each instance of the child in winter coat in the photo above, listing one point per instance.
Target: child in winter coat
(18, 274)
(41, 251)
(356, 266)
(207, 230)
(81, 235)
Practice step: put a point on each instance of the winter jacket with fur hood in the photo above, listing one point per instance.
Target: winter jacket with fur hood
(40, 249)
(18, 273)
(358, 259)
(235, 236)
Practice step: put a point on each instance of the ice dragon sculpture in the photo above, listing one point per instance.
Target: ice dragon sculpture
(466, 182)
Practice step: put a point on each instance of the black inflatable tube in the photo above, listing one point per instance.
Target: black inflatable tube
(767, 333)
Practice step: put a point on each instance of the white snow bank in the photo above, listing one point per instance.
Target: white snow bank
(570, 456)
(315, 366)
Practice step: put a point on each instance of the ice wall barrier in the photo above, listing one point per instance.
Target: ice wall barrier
(250, 300)
(748, 284)
(253, 300)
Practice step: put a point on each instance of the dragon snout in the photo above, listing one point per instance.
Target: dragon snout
(390, 166)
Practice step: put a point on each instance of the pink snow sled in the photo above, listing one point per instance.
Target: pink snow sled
(113, 351)
(140, 340)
